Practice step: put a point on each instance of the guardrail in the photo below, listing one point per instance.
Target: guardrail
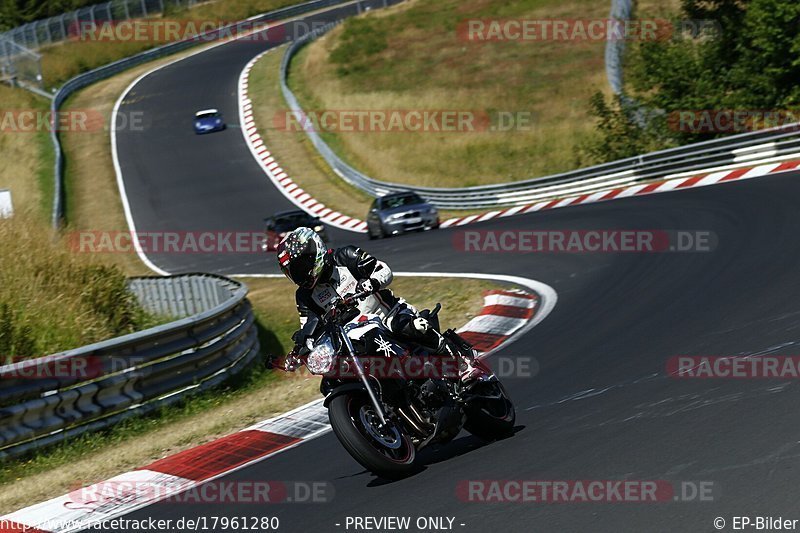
(49, 399)
(106, 71)
(771, 143)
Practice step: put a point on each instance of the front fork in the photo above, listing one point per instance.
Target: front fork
(362, 375)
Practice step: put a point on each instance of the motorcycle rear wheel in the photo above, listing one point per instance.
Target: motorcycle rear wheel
(491, 419)
(387, 453)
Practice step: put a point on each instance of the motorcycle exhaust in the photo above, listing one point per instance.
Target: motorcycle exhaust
(413, 423)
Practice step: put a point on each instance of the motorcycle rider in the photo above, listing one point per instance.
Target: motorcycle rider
(322, 275)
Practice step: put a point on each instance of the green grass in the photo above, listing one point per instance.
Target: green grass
(294, 150)
(53, 299)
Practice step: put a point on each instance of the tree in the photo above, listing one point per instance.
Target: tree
(750, 64)
(619, 134)
(17, 12)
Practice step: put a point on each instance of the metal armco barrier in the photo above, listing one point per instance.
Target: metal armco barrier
(740, 149)
(106, 71)
(49, 399)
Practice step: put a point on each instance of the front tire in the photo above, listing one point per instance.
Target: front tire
(347, 414)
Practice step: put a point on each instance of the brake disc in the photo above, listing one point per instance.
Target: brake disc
(388, 436)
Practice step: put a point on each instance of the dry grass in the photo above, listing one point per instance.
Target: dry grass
(65, 60)
(427, 67)
(100, 457)
(293, 150)
(52, 299)
(26, 164)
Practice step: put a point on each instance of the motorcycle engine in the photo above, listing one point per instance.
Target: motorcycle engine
(433, 394)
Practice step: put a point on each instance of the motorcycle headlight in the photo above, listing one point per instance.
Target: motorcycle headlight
(318, 228)
(198, 124)
(320, 360)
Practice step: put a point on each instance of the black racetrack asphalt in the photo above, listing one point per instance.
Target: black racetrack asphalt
(600, 407)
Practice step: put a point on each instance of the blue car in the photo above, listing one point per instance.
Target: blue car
(207, 121)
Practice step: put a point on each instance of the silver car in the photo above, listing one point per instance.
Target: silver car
(398, 213)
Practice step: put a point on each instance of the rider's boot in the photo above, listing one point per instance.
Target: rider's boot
(466, 369)
(441, 345)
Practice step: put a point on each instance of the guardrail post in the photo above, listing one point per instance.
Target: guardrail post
(63, 27)
(144, 9)
(47, 32)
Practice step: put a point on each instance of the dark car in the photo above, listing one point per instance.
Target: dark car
(207, 121)
(279, 224)
(400, 212)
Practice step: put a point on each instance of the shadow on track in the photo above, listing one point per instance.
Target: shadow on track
(440, 453)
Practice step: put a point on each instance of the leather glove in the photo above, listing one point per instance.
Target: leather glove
(292, 361)
(369, 285)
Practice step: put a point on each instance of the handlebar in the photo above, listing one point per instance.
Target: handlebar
(350, 300)
(345, 302)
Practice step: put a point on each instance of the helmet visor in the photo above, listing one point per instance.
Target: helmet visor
(301, 256)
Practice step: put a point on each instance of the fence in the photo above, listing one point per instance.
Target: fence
(40, 33)
(44, 401)
(20, 66)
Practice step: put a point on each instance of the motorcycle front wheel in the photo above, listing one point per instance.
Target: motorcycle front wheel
(385, 451)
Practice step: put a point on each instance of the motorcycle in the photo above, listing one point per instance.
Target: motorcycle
(387, 398)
